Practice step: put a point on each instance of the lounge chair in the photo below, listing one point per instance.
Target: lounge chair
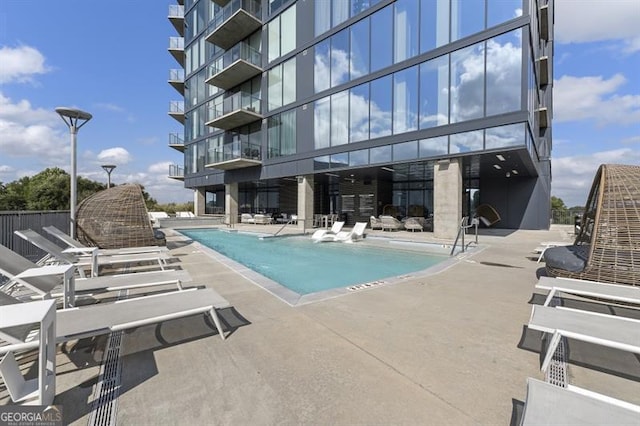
(262, 219)
(548, 404)
(356, 233)
(83, 249)
(487, 215)
(327, 235)
(44, 280)
(92, 320)
(94, 261)
(606, 330)
(246, 218)
(413, 224)
(613, 292)
(375, 223)
(391, 223)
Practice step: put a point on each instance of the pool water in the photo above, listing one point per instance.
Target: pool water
(307, 267)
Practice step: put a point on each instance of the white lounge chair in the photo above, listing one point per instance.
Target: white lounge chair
(375, 223)
(606, 330)
(356, 233)
(91, 320)
(548, 404)
(95, 260)
(390, 223)
(613, 292)
(45, 280)
(327, 235)
(83, 249)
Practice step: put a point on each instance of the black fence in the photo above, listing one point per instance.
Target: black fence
(11, 221)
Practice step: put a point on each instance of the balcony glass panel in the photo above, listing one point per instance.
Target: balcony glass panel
(176, 75)
(252, 7)
(235, 150)
(237, 101)
(176, 107)
(176, 43)
(175, 170)
(176, 11)
(175, 139)
(241, 51)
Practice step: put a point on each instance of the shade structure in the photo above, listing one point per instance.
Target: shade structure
(116, 218)
(610, 228)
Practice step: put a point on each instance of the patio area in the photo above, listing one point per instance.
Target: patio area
(451, 348)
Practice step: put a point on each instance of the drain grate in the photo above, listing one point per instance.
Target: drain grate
(557, 372)
(105, 403)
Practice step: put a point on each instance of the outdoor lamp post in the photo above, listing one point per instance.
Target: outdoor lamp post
(74, 119)
(108, 168)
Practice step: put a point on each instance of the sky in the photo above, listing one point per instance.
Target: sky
(110, 59)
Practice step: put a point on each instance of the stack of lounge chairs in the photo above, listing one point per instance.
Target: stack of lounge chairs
(551, 404)
(27, 324)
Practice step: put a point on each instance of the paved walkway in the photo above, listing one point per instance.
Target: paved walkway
(445, 349)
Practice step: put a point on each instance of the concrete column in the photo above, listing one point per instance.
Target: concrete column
(231, 203)
(198, 202)
(447, 198)
(305, 202)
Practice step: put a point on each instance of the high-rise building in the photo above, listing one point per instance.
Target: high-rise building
(360, 108)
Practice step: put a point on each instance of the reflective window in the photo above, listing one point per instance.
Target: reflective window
(405, 100)
(289, 76)
(504, 73)
(340, 58)
(465, 142)
(405, 151)
(273, 32)
(281, 94)
(321, 163)
(322, 123)
(282, 34)
(282, 134)
(274, 90)
(505, 136)
(382, 23)
(380, 154)
(467, 17)
(340, 11)
(434, 24)
(406, 30)
(499, 11)
(340, 160)
(359, 113)
(380, 107)
(433, 147)
(339, 121)
(359, 60)
(359, 158)
(434, 96)
(467, 83)
(322, 16)
(321, 67)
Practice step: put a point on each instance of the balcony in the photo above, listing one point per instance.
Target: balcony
(235, 155)
(176, 142)
(176, 79)
(237, 110)
(544, 22)
(176, 172)
(236, 66)
(176, 48)
(234, 22)
(543, 67)
(176, 17)
(176, 110)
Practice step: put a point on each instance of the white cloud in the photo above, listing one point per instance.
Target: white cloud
(19, 64)
(116, 155)
(595, 98)
(162, 167)
(109, 107)
(572, 176)
(581, 21)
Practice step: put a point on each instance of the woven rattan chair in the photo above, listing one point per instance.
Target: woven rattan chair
(115, 218)
(487, 214)
(610, 233)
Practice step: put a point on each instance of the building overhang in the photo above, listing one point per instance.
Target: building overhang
(234, 119)
(236, 163)
(235, 74)
(237, 27)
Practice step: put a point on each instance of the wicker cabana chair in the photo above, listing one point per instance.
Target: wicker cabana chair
(487, 214)
(116, 218)
(608, 244)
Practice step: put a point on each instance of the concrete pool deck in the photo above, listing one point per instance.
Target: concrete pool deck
(449, 348)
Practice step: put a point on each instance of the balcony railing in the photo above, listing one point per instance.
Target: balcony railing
(176, 48)
(235, 21)
(176, 172)
(176, 80)
(176, 17)
(235, 66)
(235, 155)
(176, 141)
(234, 111)
(176, 110)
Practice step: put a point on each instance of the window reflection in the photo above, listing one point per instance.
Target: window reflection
(381, 97)
(340, 160)
(405, 151)
(380, 154)
(433, 147)
(406, 30)
(321, 67)
(465, 142)
(340, 58)
(467, 83)
(322, 123)
(359, 113)
(339, 121)
(467, 17)
(382, 23)
(499, 11)
(504, 136)
(322, 16)
(434, 92)
(359, 64)
(504, 73)
(359, 158)
(434, 24)
(405, 100)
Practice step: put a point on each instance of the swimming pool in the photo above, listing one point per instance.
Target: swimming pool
(306, 267)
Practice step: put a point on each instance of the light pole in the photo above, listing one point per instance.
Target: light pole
(108, 168)
(74, 118)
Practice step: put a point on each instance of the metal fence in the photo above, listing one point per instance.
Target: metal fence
(14, 220)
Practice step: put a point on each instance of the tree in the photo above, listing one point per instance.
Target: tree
(557, 204)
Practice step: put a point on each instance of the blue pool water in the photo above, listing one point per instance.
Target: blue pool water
(307, 267)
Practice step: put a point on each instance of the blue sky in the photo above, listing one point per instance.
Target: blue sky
(110, 58)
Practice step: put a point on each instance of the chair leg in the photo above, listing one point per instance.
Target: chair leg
(216, 320)
(553, 345)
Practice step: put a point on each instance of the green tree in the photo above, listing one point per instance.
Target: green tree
(557, 204)
(48, 190)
